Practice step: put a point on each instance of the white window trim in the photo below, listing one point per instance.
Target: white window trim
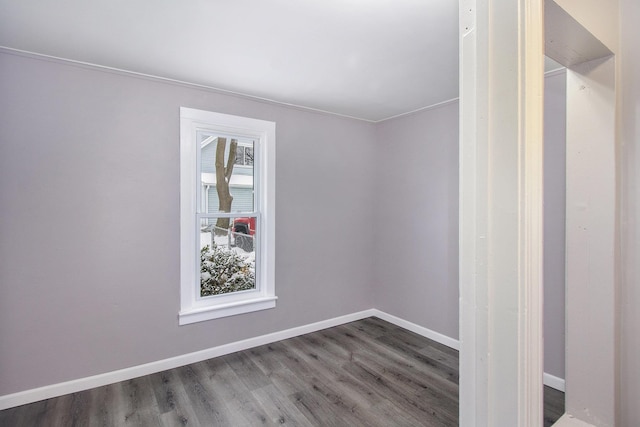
(193, 308)
(244, 145)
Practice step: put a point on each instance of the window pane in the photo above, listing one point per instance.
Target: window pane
(248, 156)
(227, 255)
(240, 156)
(234, 192)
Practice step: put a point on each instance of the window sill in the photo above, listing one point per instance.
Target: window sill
(224, 310)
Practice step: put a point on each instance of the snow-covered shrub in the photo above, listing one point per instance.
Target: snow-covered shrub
(222, 271)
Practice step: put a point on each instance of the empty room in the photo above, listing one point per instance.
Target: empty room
(319, 213)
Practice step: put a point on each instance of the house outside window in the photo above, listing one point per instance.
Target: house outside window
(244, 155)
(227, 197)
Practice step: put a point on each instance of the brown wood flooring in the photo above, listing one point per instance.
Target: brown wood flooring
(365, 373)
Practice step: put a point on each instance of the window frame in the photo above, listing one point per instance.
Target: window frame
(193, 307)
(244, 147)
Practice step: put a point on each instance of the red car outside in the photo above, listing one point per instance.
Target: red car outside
(243, 232)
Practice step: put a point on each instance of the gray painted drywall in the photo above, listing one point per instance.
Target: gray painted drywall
(555, 114)
(416, 252)
(629, 297)
(416, 269)
(89, 248)
(89, 224)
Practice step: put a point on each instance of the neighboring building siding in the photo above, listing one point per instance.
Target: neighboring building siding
(242, 199)
(242, 196)
(208, 159)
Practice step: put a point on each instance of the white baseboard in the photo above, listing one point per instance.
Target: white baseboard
(554, 382)
(548, 379)
(420, 330)
(54, 390)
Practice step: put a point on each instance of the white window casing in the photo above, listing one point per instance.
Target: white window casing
(193, 307)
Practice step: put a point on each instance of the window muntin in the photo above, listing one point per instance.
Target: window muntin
(244, 155)
(242, 175)
(243, 232)
(227, 260)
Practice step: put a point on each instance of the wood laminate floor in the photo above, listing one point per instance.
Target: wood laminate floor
(365, 373)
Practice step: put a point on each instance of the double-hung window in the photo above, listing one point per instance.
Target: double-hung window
(227, 203)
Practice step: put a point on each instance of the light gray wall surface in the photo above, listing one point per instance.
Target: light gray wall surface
(629, 295)
(89, 224)
(416, 251)
(367, 216)
(555, 117)
(416, 268)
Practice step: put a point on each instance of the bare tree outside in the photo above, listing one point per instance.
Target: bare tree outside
(223, 176)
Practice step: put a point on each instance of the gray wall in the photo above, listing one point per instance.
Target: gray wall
(416, 268)
(629, 295)
(89, 253)
(416, 252)
(89, 249)
(555, 115)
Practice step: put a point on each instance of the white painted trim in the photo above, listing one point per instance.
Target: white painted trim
(548, 379)
(592, 243)
(420, 330)
(54, 390)
(569, 421)
(50, 58)
(554, 382)
(555, 72)
(421, 109)
(192, 307)
(500, 263)
(567, 41)
(168, 80)
(217, 311)
(550, 73)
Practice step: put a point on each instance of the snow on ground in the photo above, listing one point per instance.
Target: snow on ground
(223, 241)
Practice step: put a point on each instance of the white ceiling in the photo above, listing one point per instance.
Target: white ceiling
(370, 59)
